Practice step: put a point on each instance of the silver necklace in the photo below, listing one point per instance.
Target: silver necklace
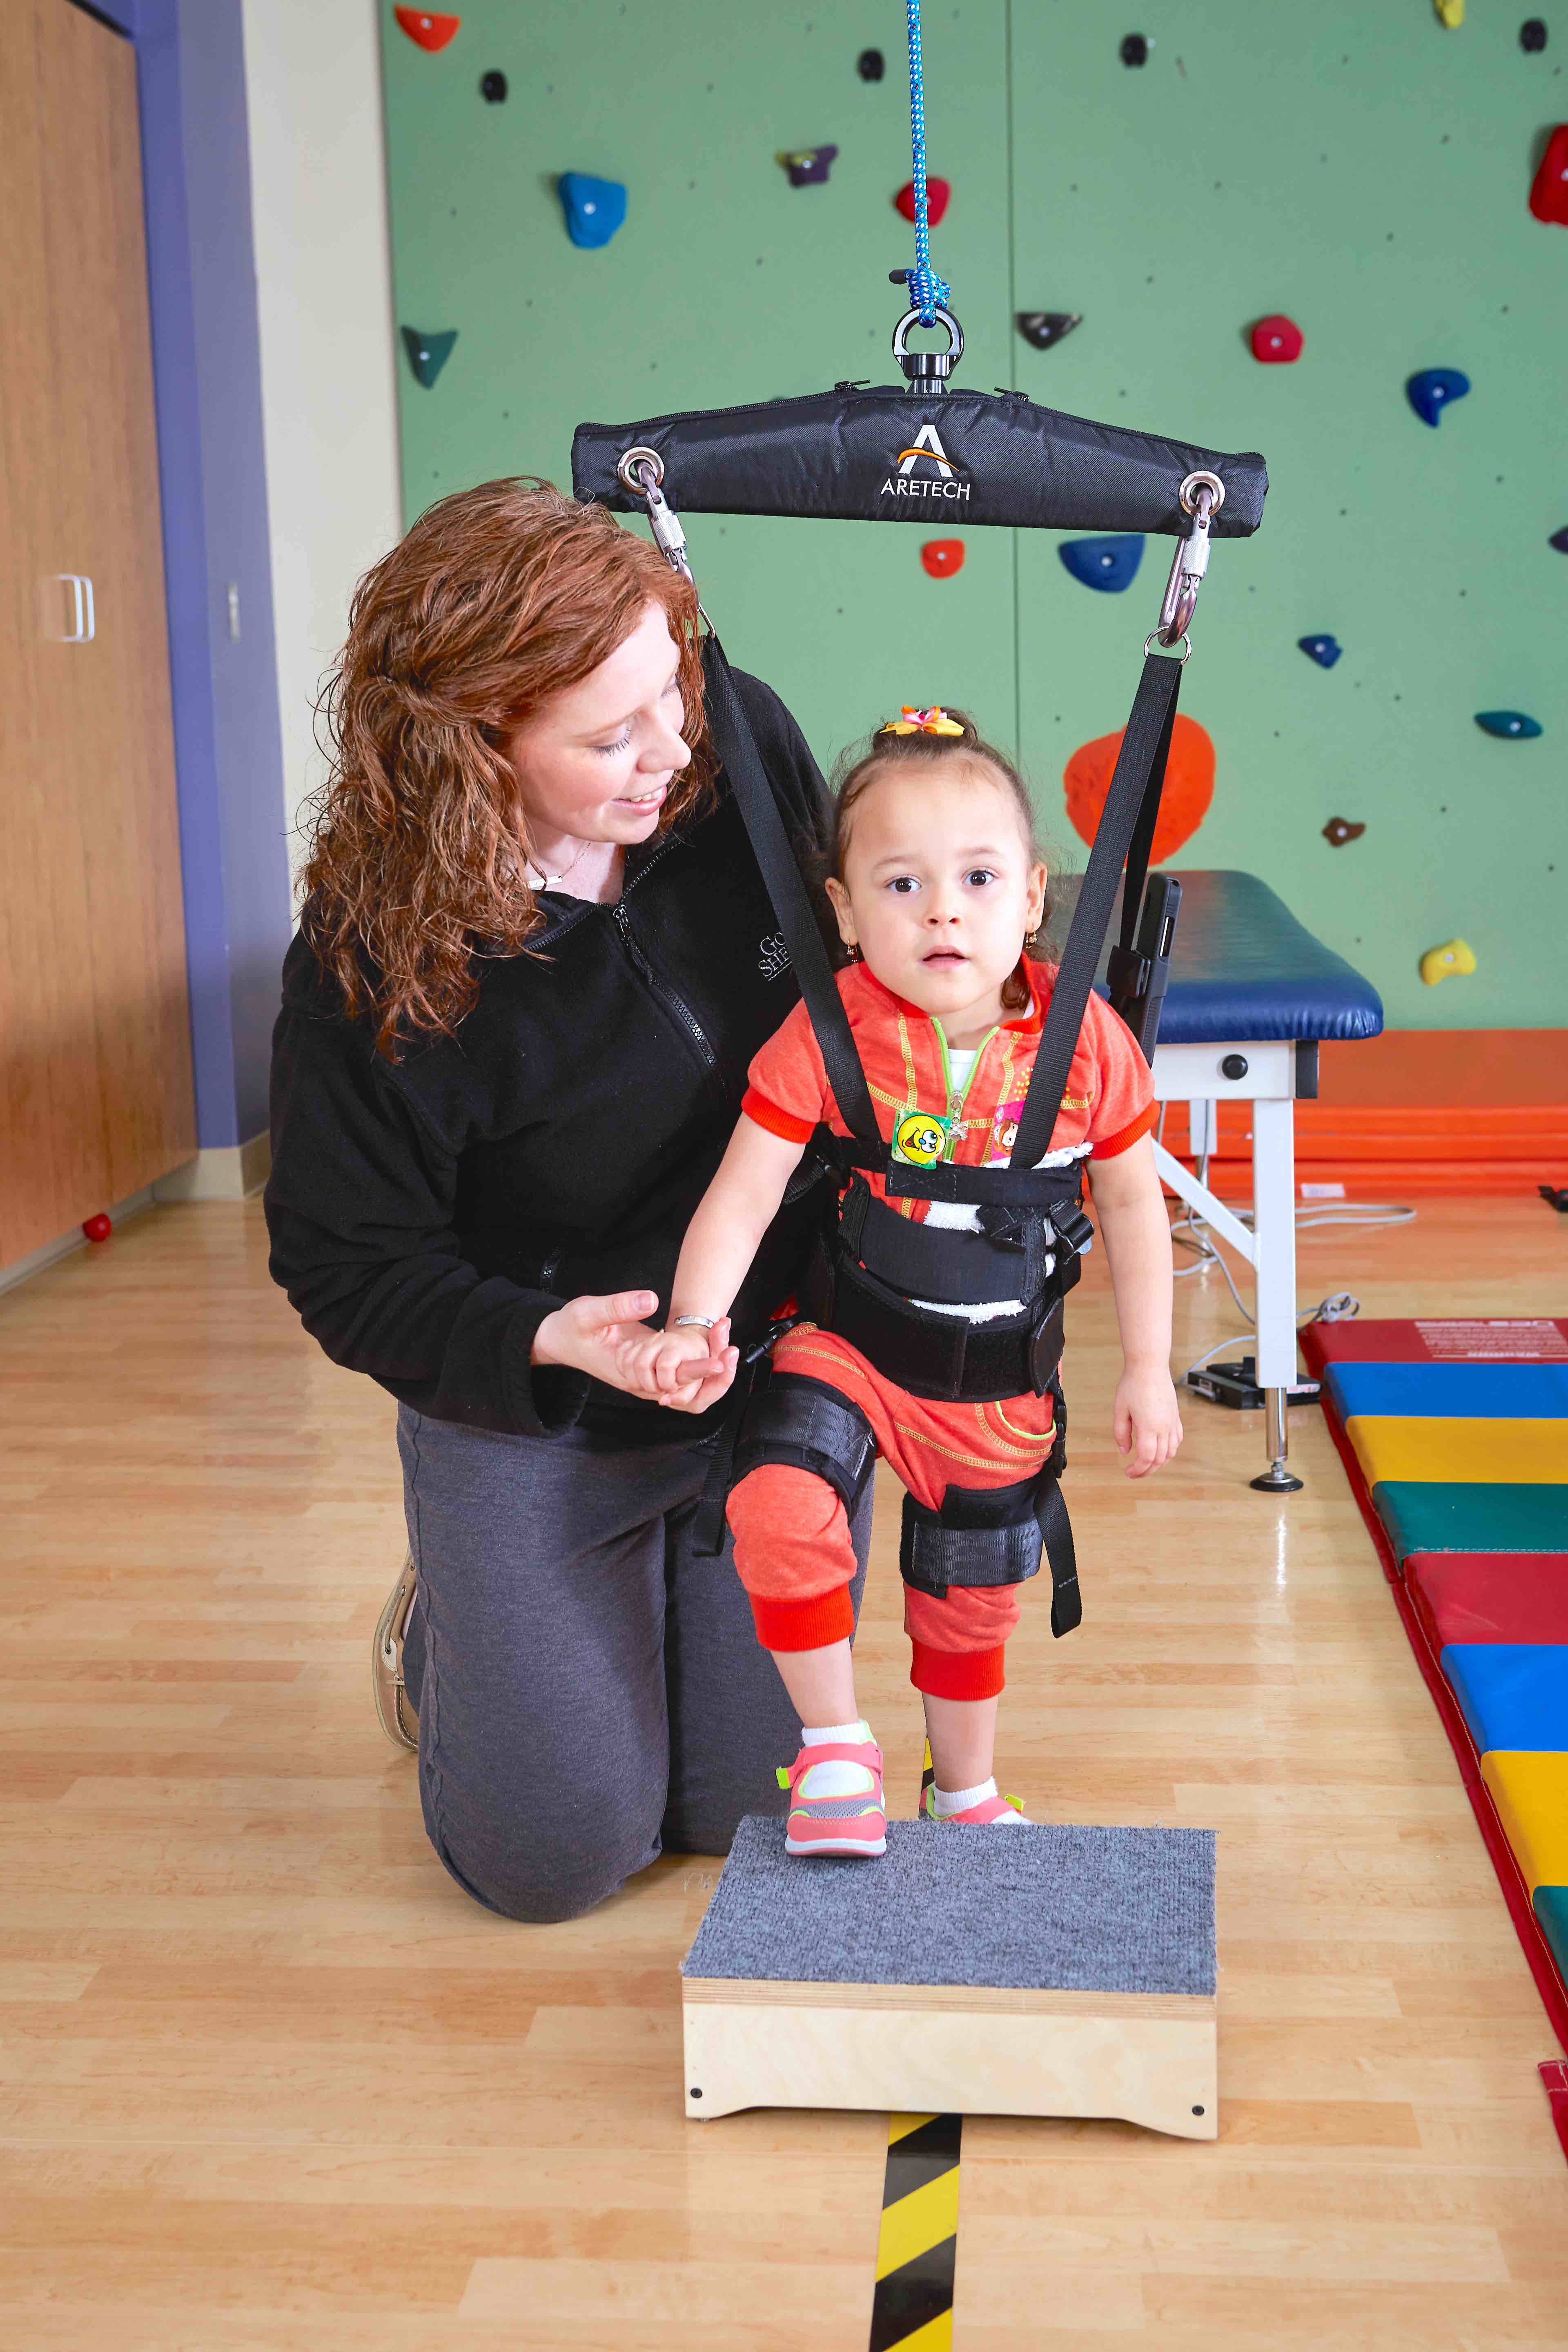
(550, 881)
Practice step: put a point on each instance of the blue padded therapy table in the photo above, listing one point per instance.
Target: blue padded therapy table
(1251, 996)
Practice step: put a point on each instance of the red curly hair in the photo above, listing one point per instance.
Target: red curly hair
(498, 598)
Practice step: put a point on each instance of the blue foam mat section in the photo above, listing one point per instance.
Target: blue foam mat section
(1041, 1906)
(1459, 1392)
(1513, 1695)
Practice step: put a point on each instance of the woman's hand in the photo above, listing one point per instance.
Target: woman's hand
(608, 1339)
(1146, 1419)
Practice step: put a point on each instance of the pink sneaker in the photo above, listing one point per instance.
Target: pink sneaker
(989, 1810)
(836, 1805)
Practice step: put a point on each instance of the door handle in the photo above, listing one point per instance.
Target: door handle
(84, 623)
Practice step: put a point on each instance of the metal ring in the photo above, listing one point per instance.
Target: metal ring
(939, 316)
(1155, 637)
(1188, 500)
(628, 480)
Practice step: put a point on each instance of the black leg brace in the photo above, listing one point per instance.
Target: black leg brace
(993, 1535)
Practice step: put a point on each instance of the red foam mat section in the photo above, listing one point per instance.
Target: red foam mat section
(1516, 1895)
(1439, 1339)
(1554, 2083)
(1489, 1596)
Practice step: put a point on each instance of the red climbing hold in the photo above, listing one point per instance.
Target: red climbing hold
(430, 32)
(1276, 339)
(942, 557)
(98, 1228)
(937, 194)
(1549, 196)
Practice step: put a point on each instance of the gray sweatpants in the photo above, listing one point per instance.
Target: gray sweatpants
(590, 1692)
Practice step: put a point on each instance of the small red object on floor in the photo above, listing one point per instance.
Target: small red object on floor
(937, 194)
(942, 557)
(429, 31)
(1276, 339)
(99, 1228)
(1549, 196)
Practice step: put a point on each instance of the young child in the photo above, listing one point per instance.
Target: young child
(939, 890)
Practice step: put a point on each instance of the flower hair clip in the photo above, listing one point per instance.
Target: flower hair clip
(911, 721)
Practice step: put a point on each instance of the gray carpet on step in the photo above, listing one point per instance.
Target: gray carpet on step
(1102, 1910)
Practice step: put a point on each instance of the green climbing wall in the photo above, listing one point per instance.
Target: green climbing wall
(1365, 171)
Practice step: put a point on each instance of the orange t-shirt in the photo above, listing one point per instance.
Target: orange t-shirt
(1108, 1104)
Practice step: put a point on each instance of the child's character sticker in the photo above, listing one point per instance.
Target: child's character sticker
(1004, 1131)
(920, 1139)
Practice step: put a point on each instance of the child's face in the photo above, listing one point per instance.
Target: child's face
(939, 887)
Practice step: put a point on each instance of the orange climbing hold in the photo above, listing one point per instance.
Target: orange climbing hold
(1189, 786)
(430, 32)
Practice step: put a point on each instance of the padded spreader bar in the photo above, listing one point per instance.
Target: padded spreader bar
(845, 454)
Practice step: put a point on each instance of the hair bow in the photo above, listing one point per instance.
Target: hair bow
(911, 721)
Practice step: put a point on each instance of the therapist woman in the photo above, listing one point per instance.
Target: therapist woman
(536, 956)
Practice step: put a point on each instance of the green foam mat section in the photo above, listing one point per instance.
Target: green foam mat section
(1421, 1517)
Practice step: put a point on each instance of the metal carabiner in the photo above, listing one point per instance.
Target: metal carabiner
(1201, 495)
(641, 471)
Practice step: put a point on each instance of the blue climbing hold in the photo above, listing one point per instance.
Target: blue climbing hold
(594, 209)
(1111, 564)
(1430, 392)
(428, 355)
(1516, 724)
(1324, 651)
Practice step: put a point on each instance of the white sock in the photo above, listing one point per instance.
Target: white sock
(945, 1801)
(837, 1778)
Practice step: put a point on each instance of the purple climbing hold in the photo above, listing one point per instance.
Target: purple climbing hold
(594, 209)
(428, 355)
(1558, 539)
(1324, 651)
(1430, 393)
(1517, 725)
(1044, 328)
(809, 166)
(1109, 565)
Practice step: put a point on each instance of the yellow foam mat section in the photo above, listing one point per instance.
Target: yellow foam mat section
(1530, 1789)
(1454, 1453)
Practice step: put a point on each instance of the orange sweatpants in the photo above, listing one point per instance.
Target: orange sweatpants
(792, 1534)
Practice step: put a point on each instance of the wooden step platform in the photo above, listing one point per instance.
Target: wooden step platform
(1041, 1970)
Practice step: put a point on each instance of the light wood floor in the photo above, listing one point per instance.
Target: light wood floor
(269, 2080)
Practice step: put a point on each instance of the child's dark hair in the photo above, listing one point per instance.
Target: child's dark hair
(885, 750)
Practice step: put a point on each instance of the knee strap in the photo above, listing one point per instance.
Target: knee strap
(993, 1536)
(806, 1425)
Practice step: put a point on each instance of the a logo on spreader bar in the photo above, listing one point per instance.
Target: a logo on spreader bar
(907, 484)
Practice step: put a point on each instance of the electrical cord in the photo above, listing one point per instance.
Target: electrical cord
(1192, 1231)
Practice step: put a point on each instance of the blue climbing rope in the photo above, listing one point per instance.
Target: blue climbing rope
(926, 288)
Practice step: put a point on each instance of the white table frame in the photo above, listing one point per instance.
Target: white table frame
(1194, 1074)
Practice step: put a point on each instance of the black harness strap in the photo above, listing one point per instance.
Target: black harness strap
(736, 747)
(1126, 825)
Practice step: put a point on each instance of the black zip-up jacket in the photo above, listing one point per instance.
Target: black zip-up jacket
(427, 1214)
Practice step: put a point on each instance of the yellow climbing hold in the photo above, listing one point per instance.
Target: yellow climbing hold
(1452, 13)
(1452, 959)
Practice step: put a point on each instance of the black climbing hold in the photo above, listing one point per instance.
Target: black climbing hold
(1556, 1195)
(1558, 539)
(492, 87)
(1532, 34)
(1044, 328)
(1135, 51)
(870, 65)
(809, 166)
(428, 354)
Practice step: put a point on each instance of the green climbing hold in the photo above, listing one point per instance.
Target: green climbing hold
(428, 355)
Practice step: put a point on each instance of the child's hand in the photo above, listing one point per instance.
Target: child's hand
(688, 1369)
(1146, 1419)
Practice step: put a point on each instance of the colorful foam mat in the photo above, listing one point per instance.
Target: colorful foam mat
(1453, 1433)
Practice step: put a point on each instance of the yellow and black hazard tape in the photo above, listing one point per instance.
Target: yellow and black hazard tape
(928, 1779)
(917, 2250)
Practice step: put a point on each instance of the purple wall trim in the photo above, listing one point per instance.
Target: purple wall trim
(206, 363)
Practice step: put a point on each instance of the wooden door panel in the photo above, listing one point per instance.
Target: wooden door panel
(100, 1074)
